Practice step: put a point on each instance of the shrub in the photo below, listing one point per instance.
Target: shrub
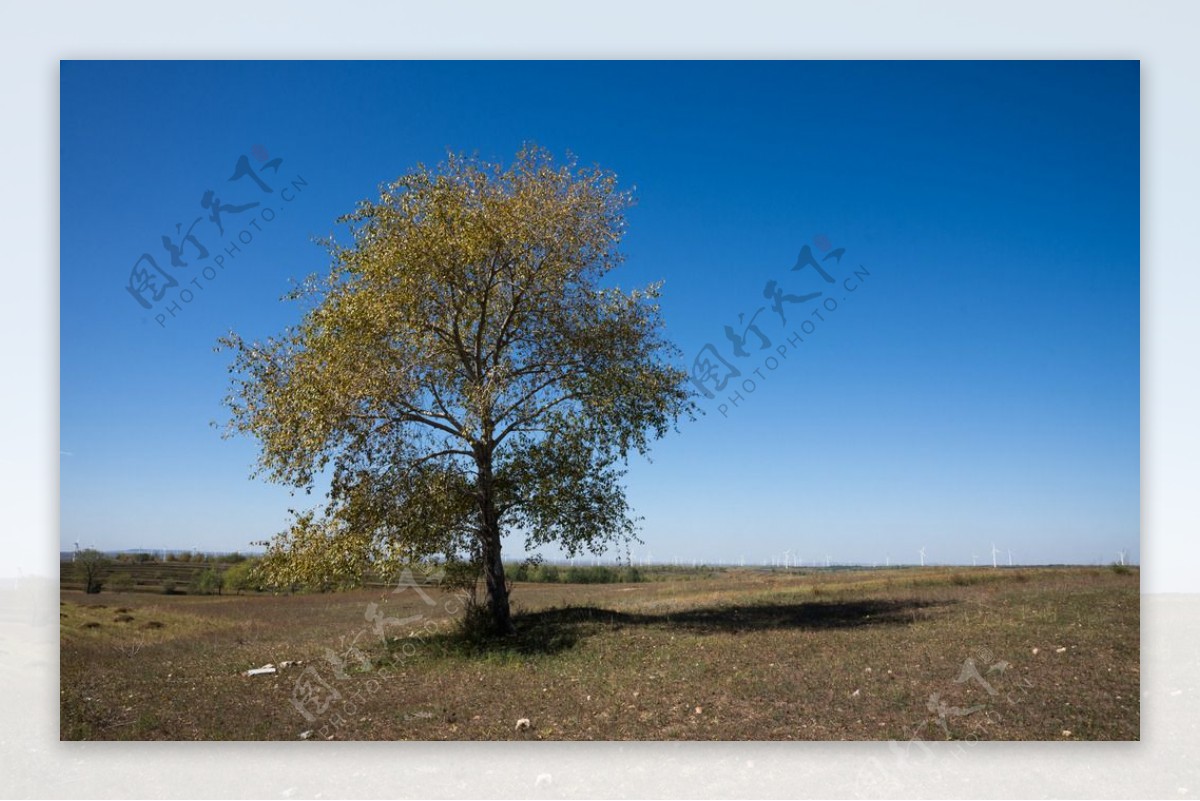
(208, 582)
(240, 577)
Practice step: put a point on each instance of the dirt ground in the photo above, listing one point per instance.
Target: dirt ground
(899, 654)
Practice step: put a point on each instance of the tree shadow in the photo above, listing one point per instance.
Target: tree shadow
(551, 631)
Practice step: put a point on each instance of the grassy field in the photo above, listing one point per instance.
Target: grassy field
(933, 653)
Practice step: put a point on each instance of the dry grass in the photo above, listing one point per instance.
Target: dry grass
(879, 654)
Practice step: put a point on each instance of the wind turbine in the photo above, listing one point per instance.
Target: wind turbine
(974, 560)
(75, 553)
(887, 560)
(995, 551)
(1010, 558)
(1121, 556)
(826, 560)
(922, 556)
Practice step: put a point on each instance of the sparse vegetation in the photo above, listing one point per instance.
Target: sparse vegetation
(138, 572)
(818, 655)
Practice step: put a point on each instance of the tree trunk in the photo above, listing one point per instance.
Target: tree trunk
(497, 588)
(489, 539)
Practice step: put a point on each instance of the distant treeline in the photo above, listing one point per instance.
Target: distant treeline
(141, 557)
(547, 573)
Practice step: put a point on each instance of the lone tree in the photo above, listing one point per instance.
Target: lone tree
(90, 566)
(461, 372)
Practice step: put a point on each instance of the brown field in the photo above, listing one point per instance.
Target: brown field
(934, 653)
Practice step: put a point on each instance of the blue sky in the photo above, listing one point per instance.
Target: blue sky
(980, 385)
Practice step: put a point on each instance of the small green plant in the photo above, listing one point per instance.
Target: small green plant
(1120, 569)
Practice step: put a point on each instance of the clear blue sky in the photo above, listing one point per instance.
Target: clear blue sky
(980, 385)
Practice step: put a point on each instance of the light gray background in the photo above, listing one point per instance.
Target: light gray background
(1162, 35)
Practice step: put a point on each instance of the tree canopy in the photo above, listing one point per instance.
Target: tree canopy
(464, 369)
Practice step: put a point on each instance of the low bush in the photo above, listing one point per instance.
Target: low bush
(208, 582)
